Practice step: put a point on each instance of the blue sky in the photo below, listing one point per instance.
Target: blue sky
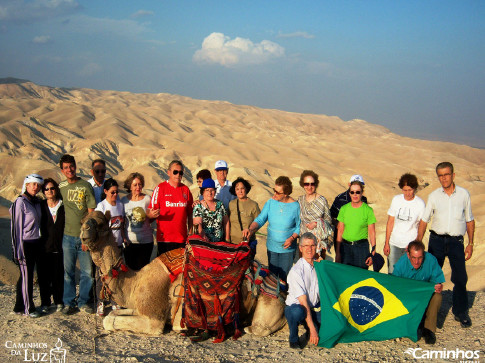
(416, 67)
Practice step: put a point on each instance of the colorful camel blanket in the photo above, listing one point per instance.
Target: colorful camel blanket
(264, 282)
(213, 274)
(173, 261)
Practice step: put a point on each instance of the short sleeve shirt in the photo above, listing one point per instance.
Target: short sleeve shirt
(175, 206)
(356, 221)
(117, 221)
(407, 214)
(302, 280)
(212, 221)
(77, 198)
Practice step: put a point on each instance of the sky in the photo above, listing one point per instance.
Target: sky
(415, 67)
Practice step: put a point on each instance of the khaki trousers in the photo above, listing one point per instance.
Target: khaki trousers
(431, 312)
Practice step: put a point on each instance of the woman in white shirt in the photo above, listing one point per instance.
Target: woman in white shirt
(139, 231)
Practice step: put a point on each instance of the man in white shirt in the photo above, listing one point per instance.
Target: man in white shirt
(303, 300)
(223, 185)
(450, 207)
(403, 219)
(98, 171)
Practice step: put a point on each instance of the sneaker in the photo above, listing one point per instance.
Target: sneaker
(34, 314)
(464, 320)
(100, 309)
(115, 307)
(295, 345)
(59, 307)
(87, 309)
(44, 309)
(429, 336)
(69, 310)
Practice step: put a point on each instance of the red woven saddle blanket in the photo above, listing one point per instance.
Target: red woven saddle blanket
(173, 261)
(213, 274)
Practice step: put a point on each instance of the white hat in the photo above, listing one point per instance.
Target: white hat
(358, 178)
(32, 178)
(220, 164)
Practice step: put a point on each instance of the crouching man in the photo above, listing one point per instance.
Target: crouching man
(423, 266)
(303, 300)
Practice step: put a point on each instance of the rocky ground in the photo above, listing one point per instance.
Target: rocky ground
(85, 340)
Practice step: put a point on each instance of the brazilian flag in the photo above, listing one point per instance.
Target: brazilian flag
(360, 305)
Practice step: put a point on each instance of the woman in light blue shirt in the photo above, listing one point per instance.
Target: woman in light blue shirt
(282, 213)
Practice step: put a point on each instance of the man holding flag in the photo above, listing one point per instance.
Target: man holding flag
(303, 300)
(423, 266)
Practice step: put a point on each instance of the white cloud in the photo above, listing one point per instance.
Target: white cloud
(41, 39)
(218, 48)
(142, 13)
(298, 34)
(90, 69)
(36, 10)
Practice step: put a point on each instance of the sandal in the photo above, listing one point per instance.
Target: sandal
(200, 337)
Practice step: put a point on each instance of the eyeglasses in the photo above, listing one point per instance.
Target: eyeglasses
(311, 246)
(276, 192)
(114, 192)
(47, 189)
(175, 172)
(355, 192)
(309, 184)
(100, 171)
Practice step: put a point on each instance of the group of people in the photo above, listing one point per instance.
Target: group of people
(45, 233)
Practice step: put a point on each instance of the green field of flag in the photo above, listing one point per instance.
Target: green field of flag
(359, 305)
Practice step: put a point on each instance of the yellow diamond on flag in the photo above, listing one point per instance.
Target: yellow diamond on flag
(367, 304)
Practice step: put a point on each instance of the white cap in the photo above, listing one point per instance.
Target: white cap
(358, 178)
(220, 164)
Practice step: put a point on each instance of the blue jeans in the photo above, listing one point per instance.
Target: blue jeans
(442, 246)
(295, 315)
(394, 256)
(355, 255)
(71, 246)
(280, 263)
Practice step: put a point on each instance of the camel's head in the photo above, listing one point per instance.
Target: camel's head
(95, 230)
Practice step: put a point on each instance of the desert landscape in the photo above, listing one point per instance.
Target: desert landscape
(144, 132)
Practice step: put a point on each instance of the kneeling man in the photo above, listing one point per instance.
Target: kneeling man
(303, 300)
(423, 266)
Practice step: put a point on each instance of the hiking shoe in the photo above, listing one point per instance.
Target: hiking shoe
(69, 310)
(100, 309)
(59, 307)
(34, 314)
(464, 320)
(87, 309)
(295, 345)
(44, 309)
(429, 336)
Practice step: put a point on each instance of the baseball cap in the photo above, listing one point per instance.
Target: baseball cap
(221, 165)
(208, 183)
(357, 177)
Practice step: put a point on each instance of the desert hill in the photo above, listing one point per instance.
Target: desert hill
(144, 132)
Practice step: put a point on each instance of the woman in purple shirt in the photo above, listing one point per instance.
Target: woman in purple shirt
(27, 245)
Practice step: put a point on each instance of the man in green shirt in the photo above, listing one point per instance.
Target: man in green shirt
(78, 199)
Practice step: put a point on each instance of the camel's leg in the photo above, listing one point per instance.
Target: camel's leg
(268, 318)
(134, 323)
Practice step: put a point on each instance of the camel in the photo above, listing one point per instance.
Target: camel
(148, 295)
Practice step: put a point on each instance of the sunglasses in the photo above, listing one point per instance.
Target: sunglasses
(176, 172)
(276, 192)
(100, 171)
(47, 189)
(309, 184)
(356, 192)
(114, 192)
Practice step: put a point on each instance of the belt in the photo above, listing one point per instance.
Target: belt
(442, 235)
(354, 242)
